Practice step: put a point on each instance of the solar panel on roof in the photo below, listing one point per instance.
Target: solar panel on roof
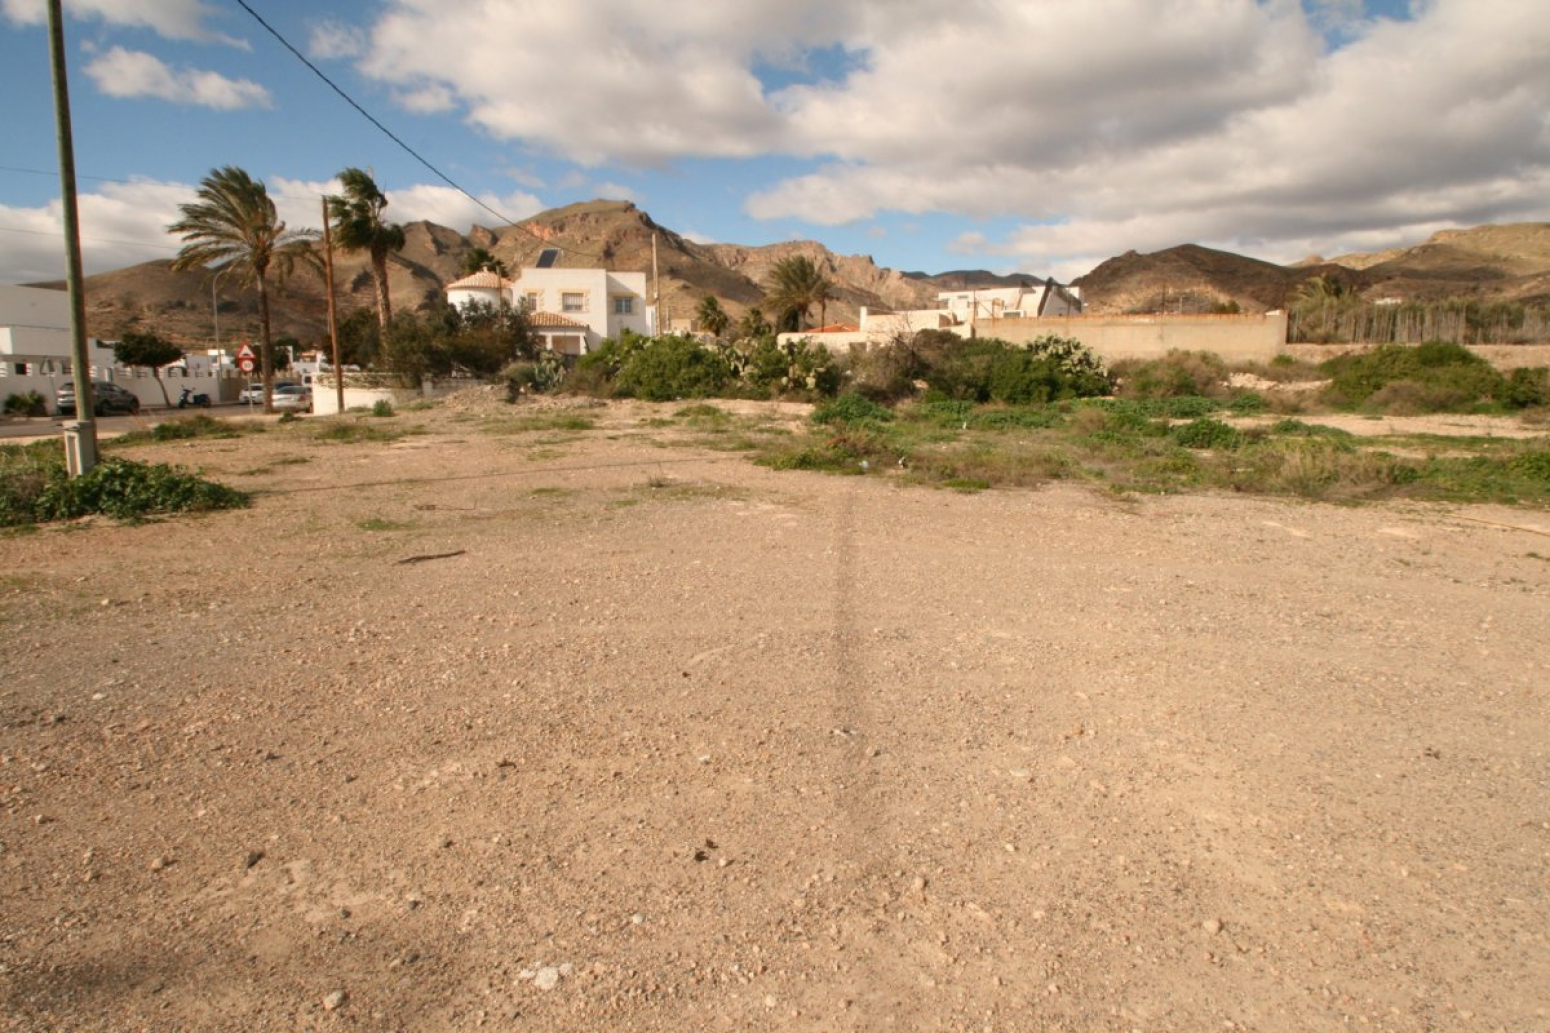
(547, 257)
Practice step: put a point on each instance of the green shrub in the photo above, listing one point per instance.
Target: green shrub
(1206, 433)
(1176, 374)
(29, 404)
(193, 427)
(382, 407)
(989, 370)
(1534, 465)
(1442, 376)
(1415, 398)
(797, 367)
(34, 487)
(672, 367)
(1527, 388)
(851, 409)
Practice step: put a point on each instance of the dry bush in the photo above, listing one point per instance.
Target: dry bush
(1176, 374)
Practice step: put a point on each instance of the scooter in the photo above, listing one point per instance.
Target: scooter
(189, 400)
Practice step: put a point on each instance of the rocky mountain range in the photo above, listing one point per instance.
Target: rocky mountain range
(1496, 262)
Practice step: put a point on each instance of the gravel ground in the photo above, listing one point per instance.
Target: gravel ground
(603, 730)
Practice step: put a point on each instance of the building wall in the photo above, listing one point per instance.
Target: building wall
(598, 289)
(1239, 338)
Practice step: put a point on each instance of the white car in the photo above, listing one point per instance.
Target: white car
(292, 398)
(253, 394)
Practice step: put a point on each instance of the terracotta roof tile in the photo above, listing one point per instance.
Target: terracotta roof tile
(554, 321)
(483, 278)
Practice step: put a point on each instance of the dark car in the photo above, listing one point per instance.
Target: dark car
(106, 399)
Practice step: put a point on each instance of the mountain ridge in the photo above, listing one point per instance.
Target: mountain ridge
(1506, 262)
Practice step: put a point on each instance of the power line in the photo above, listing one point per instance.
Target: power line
(55, 175)
(392, 136)
(94, 240)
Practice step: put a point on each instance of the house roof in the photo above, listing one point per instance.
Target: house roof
(836, 328)
(553, 321)
(483, 278)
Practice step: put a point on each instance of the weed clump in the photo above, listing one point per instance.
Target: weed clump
(1175, 375)
(1438, 376)
(1206, 433)
(35, 488)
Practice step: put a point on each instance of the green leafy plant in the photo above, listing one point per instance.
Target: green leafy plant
(1437, 376)
(382, 407)
(28, 404)
(1206, 433)
(129, 490)
(851, 410)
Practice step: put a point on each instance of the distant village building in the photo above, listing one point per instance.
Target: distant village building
(572, 310)
(35, 353)
(967, 313)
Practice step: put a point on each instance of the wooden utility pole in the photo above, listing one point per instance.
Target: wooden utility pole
(81, 436)
(333, 328)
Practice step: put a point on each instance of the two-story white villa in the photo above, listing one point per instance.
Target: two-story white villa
(572, 310)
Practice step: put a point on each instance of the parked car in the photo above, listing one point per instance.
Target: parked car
(253, 394)
(292, 398)
(107, 398)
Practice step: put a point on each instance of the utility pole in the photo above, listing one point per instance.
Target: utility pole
(333, 329)
(656, 289)
(81, 435)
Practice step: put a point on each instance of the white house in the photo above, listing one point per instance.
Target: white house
(572, 310)
(1023, 302)
(35, 353)
(967, 313)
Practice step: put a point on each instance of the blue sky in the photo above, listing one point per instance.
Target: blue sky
(1039, 135)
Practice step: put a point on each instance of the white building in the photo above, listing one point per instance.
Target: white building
(969, 313)
(35, 354)
(572, 310)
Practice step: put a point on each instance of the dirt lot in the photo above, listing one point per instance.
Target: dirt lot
(592, 730)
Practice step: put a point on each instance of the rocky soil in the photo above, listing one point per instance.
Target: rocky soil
(502, 727)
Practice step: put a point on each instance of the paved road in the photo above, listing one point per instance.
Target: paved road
(109, 426)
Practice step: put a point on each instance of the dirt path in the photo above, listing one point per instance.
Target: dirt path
(666, 741)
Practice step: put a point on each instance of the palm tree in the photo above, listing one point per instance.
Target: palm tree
(234, 225)
(358, 226)
(479, 259)
(795, 285)
(712, 316)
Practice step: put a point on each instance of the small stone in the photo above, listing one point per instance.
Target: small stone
(444, 842)
(637, 918)
(1212, 925)
(334, 1001)
(547, 978)
(919, 885)
(160, 863)
(252, 858)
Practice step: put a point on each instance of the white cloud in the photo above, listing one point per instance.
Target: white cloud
(447, 207)
(299, 204)
(615, 192)
(331, 39)
(696, 237)
(122, 224)
(134, 73)
(172, 19)
(1411, 124)
(600, 80)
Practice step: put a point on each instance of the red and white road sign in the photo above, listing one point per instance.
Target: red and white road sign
(245, 363)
